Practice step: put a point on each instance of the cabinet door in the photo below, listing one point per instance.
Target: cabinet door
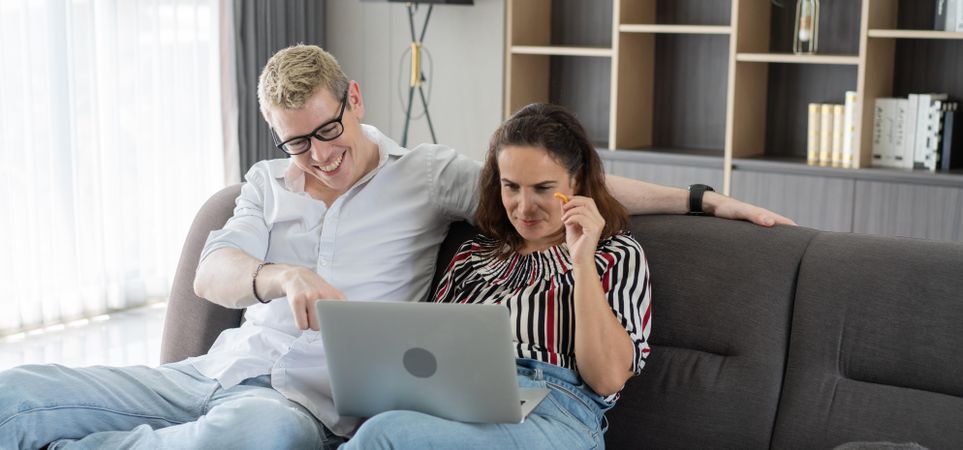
(666, 174)
(823, 203)
(899, 209)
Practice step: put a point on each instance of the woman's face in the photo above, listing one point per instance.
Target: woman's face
(529, 179)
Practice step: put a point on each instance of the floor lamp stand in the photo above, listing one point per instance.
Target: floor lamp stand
(417, 75)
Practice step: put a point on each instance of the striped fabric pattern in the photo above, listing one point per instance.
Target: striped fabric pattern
(539, 291)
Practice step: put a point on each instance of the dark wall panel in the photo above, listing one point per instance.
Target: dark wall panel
(691, 72)
(582, 84)
(693, 12)
(928, 66)
(582, 23)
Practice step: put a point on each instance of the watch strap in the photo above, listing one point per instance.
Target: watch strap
(696, 192)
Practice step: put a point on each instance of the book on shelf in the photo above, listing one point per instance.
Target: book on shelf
(952, 17)
(825, 134)
(836, 157)
(933, 134)
(910, 121)
(908, 133)
(888, 134)
(928, 116)
(849, 128)
(951, 155)
(959, 16)
(812, 135)
(939, 16)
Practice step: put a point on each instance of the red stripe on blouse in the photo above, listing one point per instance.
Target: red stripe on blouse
(609, 262)
(645, 318)
(550, 325)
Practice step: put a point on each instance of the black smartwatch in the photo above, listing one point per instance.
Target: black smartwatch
(696, 191)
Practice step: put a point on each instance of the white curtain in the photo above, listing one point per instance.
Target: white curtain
(110, 140)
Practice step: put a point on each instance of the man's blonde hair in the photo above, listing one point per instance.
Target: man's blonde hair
(294, 74)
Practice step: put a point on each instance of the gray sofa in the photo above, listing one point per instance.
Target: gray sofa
(762, 338)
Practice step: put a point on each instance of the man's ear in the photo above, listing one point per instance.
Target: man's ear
(355, 101)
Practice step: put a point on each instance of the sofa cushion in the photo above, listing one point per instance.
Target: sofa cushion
(721, 299)
(875, 347)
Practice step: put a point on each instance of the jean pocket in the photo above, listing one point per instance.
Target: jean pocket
(575, 406)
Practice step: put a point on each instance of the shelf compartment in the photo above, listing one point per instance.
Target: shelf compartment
(675, 29)
(553, 50)
(915, 34)
(689, 98)
(790, 90)
(789, 58)
(583, 85)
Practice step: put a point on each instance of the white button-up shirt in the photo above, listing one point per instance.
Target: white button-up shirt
(377, 241)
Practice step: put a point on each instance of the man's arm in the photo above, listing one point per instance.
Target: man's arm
(640, 197)
(225, 277)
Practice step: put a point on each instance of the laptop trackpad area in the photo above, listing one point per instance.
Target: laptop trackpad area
(530, 398)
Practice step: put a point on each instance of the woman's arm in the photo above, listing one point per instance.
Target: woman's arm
(604, 351)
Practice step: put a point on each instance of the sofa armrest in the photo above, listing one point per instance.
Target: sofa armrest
(193, 323)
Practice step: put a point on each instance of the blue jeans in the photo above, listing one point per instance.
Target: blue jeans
(570, 417)
(171, 406)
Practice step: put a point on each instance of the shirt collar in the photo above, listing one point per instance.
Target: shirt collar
(294, 176)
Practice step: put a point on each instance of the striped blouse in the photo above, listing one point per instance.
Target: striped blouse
(539, 291)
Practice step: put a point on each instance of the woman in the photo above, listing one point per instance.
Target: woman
(576, 286)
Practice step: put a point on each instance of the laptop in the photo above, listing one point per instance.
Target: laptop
(454, 361)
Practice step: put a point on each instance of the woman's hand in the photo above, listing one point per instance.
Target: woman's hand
(583, 227)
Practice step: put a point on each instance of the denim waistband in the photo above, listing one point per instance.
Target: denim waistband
(571, 380)
(529, 367)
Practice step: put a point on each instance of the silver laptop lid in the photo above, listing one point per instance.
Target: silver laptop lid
(447, 360)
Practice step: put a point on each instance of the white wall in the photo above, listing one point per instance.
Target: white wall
(466, 44)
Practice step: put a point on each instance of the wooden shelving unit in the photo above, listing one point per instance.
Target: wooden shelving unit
(914, 34)
(673, 76)
(674, 29)
(553, 50)
(790, 58)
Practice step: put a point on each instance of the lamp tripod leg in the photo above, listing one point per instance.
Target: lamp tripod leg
(411, 98)
(424, 103)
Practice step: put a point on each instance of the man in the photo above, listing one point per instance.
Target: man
(349, 215)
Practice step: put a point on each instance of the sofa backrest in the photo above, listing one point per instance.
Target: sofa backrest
(876, 351)
(722, 292)
(722, 295)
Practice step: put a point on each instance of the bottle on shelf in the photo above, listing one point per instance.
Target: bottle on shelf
(806, 37)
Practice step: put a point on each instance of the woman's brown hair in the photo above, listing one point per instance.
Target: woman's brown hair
(557, 131)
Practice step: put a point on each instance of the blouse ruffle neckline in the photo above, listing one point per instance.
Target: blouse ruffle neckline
(518, 270)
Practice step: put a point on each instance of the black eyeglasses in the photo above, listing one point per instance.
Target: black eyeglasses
(325, 132)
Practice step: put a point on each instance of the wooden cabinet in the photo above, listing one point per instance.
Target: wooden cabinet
(717, 79)
(911, 210)
(824, 203)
